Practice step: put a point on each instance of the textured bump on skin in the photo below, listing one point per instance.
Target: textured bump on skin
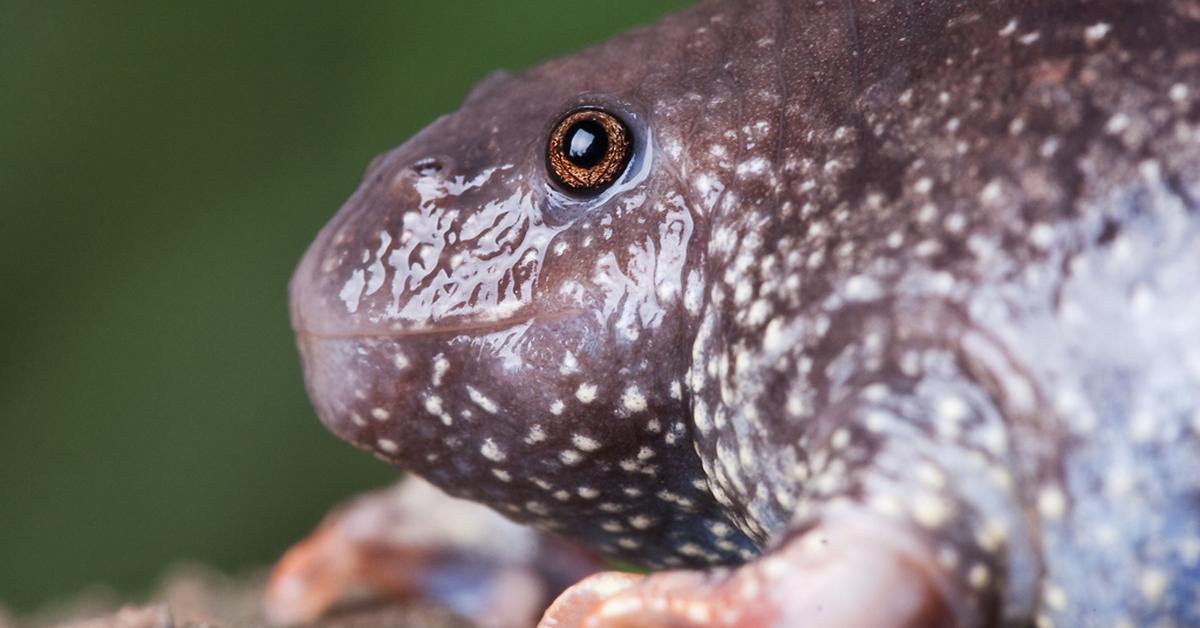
(937, 260)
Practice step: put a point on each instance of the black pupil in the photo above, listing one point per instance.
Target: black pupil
(586, 143)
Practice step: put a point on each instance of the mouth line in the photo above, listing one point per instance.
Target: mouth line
(444, 329)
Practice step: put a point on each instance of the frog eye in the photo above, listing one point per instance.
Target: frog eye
(588, 150)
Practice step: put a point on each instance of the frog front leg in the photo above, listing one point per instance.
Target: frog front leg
(413, 541)
(907, 515)
(854, 570)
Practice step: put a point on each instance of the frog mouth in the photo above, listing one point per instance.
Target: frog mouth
(441, 328)
(455, 326)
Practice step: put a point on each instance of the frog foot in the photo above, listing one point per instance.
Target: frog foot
(849, 572)
(412, 541)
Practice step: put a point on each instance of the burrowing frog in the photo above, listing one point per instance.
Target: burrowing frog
(833, 313)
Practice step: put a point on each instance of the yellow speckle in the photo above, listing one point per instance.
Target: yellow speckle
(641, 522)
(1051, 503)
(1153, 584)
(1120, 481)
(991, 536)
(947, 558)
(931, 476)
(840, 439)
(979, 577)
(1189, 551)
(886, 505)
(1001, 477)
(1055, 597)
(1143, 427)
(930, 511)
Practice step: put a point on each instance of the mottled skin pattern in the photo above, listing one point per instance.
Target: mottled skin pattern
(938, 262)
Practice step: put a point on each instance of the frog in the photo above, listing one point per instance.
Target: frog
(825, 313)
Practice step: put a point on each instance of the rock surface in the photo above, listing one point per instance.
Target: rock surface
(193, 596)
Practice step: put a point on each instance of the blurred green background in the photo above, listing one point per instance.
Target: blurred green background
(162, 167)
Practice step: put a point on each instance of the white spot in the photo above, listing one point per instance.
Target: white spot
(400, 361)
(380, 414)
(1042, 235)
(388, 445)
(952, 408)
(570, 456)
(502, 475)
(585, 443)
(440, 366)
(1178, 93)
(992, 192)
(757, 165)
(481, 400)
(557, 407)
(352, 290)
(633, 400)
(586, 393)
(492, 451)
(1096, 31)
(759, 311)
(588, 492)
(1117, 123)
(536, 434)
(569, 364)
(1009, 28)
(862, 288)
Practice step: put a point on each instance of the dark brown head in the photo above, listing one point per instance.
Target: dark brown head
(506, 307)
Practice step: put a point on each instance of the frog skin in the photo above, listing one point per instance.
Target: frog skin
(890, 316)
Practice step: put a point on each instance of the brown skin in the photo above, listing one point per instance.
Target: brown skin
(918, 278)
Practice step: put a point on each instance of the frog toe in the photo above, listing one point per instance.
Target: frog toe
(414, 542)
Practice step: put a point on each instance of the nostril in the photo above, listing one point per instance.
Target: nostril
(427, 167)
